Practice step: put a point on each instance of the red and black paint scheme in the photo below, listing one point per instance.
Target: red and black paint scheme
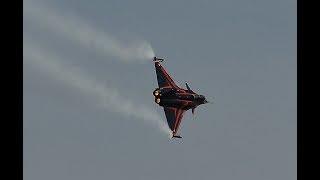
(175, 100)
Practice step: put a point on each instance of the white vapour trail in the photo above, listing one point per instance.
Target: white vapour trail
(107, 97)
(88, 36)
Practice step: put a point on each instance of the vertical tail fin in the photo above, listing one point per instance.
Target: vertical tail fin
(189, 88)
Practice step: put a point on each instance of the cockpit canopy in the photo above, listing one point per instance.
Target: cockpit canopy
(200, 97)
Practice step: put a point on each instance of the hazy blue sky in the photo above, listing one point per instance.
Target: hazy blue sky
(242, 53)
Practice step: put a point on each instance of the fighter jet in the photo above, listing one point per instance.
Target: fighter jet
(174, 100)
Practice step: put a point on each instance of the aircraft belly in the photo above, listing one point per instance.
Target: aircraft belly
(176, 103)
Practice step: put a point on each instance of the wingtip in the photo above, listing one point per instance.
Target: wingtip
(155, 59)
(178, 137)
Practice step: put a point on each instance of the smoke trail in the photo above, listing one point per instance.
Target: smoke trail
(106, 97)
(86, 35)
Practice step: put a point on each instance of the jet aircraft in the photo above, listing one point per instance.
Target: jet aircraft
(174, 100)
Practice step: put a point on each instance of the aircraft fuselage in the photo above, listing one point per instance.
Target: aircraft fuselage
(178, 98)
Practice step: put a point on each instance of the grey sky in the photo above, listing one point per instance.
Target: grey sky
(241, 53)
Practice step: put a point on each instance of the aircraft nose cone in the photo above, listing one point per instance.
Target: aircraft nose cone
(202, 99)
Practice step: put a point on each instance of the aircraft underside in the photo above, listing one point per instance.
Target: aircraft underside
(176, 103)
(174, 100)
